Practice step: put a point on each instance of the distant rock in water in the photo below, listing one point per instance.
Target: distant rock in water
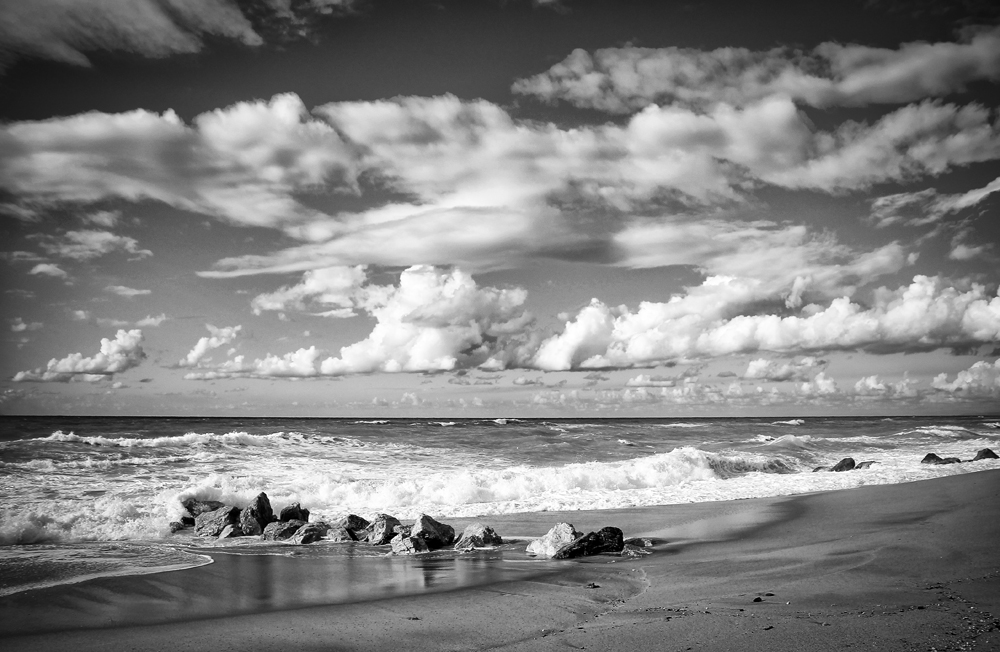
(437, 535)
(932, 458)
(864, 465)
(985, 454)
(560, 535)
(478, 535)
(846, 464)
(408, 545)
(211, 524)
(821, 468)
(294, 512)
(256, 515)
(281, 530)
(380, 531)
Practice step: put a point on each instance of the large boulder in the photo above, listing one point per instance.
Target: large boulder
(281, 530)
(478, 535)
(339, 534)
(196, 507)
(408, 545)
(380, 531)
(608, 539)
(231, 531)
(211, 524)
(352, 523)
(437, 535)
(560, 535)
(932, 458)
(294, 512)
(845, 464)
(985, 454)
(256, 515)
(308, 533)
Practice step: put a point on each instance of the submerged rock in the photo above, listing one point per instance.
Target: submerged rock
(932, 458)
(281, 530)
(436, 534)
(294, 512)
(380, 531)
(478, 535)
(255, 516)
(408, 545)
(846, 464)
(985, 454)
(211, 524)
(608, 539)
(560, 535)
(864, 465)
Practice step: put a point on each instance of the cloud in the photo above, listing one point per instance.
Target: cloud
(125, 291)
(107, 219)
(627, 79)
(872, 386)
(981, 379)
(925, 206)
(645, 380)
(331, 290)
(117, 355)
(18, 325)
(49, 269)
(219, 337)
(927, 314)
(66, 30)
(89, 244)
(820, 385)
(764, 369)
(151, 321)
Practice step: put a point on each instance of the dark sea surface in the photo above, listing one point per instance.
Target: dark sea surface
(84, 497)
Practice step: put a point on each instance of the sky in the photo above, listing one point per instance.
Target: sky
(499, 208)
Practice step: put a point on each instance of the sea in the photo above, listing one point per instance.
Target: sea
(91, 497)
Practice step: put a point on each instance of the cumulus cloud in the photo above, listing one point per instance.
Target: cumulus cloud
(125, 291)
(219, 337)
(117, 355)
(765, 369)
(819, 385)
(926, 314)
(646, 380)
(89, 244)
(49, 269)
(981, 379)
(624, 80)
(18, 325)
(873, 386)
(151, 321)
(331, 290)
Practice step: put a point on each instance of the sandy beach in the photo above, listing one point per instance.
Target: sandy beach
(900, 567)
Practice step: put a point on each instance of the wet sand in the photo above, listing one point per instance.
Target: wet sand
(900, 567)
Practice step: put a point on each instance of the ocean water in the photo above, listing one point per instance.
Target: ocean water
(84, 497)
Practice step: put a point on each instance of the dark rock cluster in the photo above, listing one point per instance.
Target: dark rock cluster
(848, 463)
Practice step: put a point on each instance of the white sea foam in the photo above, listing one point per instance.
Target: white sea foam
(790, 422)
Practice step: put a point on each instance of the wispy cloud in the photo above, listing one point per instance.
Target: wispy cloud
(125, 291)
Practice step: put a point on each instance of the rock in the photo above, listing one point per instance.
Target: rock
(478, 535)
(187, 521)
(352, 523)
(629, 550)
(640, 542)
(821, 468)
(607, 539)
(554, 539)
(864, 465)
(931, 458)
(408, 545)
(294, 512)
(307, 533)
(985, 454)
(256, 515)
(337, 533)
(403, 530)
(845, 464)
(379, 531)
(176, 526)
(211, 524)
(231, 531)
(436, 534)
(281, 530)
(196, 507)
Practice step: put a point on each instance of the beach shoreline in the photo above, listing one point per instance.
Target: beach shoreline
(892, 567)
